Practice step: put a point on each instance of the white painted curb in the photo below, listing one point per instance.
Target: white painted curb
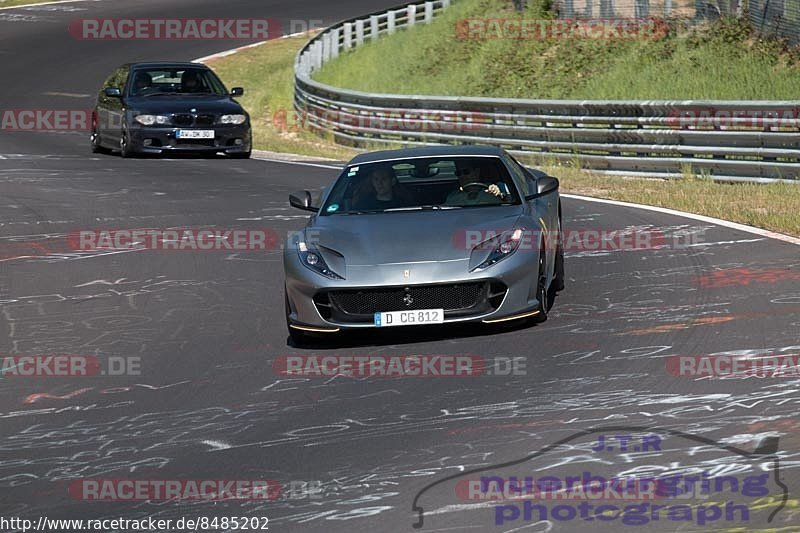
(701, 218)
(232, 51)
(45, 4)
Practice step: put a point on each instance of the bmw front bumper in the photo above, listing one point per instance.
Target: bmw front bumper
(231, 139)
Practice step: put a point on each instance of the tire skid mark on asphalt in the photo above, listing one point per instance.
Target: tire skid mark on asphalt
(624, 403)
(47, 323)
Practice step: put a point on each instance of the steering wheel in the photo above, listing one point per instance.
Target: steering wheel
(473, 185)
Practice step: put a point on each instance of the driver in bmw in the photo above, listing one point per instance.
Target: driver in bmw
(470, 190)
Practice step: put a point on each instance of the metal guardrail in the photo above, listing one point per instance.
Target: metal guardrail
(757, 141)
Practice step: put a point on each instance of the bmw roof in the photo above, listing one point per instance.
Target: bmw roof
(156, 64)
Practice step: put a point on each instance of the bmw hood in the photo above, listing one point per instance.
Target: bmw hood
(163, 105)
(410, 236)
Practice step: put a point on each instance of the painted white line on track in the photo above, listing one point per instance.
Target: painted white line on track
(67, 95)
(232, 51)
(46, 4)
(701, 218)
(304, 163)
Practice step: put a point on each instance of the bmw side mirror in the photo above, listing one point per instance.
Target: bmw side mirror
(302, 200)
(237, 91)
(113, 92)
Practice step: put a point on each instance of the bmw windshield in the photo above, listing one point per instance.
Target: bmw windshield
(422, 183)
(175, 81)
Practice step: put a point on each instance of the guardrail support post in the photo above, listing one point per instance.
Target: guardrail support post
(317, 54)
(412, 15)
(607, 9)
(348, 35)
(359, 32)
(374, 30)
(326, 46)
(334, 42)
(428, 12)
(641, 9)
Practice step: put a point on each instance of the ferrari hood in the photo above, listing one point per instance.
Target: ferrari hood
(410, 236)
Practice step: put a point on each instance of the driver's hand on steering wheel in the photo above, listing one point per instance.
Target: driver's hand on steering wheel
(494, 189)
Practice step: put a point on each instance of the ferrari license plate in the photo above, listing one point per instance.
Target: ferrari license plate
(409, 318)
(194, 134)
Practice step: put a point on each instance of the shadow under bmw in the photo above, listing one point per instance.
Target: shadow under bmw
(425, 236)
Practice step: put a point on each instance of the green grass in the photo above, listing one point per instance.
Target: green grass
(723, 61)
(10, 3)
(267, 74)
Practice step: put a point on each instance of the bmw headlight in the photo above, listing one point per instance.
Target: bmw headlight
(312, 259)
(150, 120)
(501, 246)
(232, 119)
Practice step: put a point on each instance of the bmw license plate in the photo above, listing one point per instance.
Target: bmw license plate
(409, 318)
(194, 134)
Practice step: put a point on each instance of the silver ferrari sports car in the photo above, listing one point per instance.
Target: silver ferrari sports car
(425, 236)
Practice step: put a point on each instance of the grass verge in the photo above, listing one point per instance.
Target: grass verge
(771, 206)
(267, 74)
(723, 60)
(14, 3)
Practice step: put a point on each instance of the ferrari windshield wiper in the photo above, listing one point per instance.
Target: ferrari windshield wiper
(366, 212)
(424, 208)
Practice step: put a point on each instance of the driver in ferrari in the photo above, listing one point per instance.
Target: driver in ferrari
(471, 191)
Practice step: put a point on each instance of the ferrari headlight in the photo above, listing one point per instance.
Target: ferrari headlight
(503, 246)
(232, 119)
(311, 258)
(150, 120)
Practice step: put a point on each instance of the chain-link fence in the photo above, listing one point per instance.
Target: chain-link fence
(779, 18)
(692, 9)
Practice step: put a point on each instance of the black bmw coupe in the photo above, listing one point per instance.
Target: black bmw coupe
(156, 108)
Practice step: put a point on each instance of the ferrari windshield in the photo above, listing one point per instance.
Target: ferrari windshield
(168, 81)
(421, 183)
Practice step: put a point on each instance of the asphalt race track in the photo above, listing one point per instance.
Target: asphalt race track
(208, 326)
